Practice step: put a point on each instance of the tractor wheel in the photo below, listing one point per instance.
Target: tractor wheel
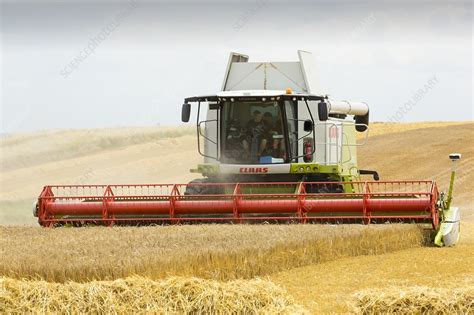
(198, 189)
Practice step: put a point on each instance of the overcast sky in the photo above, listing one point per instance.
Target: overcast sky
(73, 64)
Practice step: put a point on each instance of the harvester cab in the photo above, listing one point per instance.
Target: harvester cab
(271, 122)
(275, 149)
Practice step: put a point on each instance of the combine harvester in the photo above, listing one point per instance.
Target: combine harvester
(276, 149)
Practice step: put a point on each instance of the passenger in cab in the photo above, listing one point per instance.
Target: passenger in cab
(255, 141)
(274, 137)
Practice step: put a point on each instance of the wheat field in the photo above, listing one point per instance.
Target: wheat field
(222, 252)
(305, 269)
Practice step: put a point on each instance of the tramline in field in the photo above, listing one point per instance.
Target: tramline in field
(276, 149)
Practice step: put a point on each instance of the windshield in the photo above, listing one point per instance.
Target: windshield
(253, 132)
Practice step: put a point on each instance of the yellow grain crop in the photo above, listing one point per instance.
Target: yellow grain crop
(222, 252)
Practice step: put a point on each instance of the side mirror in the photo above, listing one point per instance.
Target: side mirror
(185, 112)
(323, 112)
(308, 126)
(362, 122)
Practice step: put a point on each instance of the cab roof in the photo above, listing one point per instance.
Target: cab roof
(254, 95)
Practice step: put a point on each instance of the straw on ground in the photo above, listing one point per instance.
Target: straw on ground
(140, 295)
(416, 300)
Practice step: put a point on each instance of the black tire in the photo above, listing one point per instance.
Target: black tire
(202, 190)
(324, 189)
